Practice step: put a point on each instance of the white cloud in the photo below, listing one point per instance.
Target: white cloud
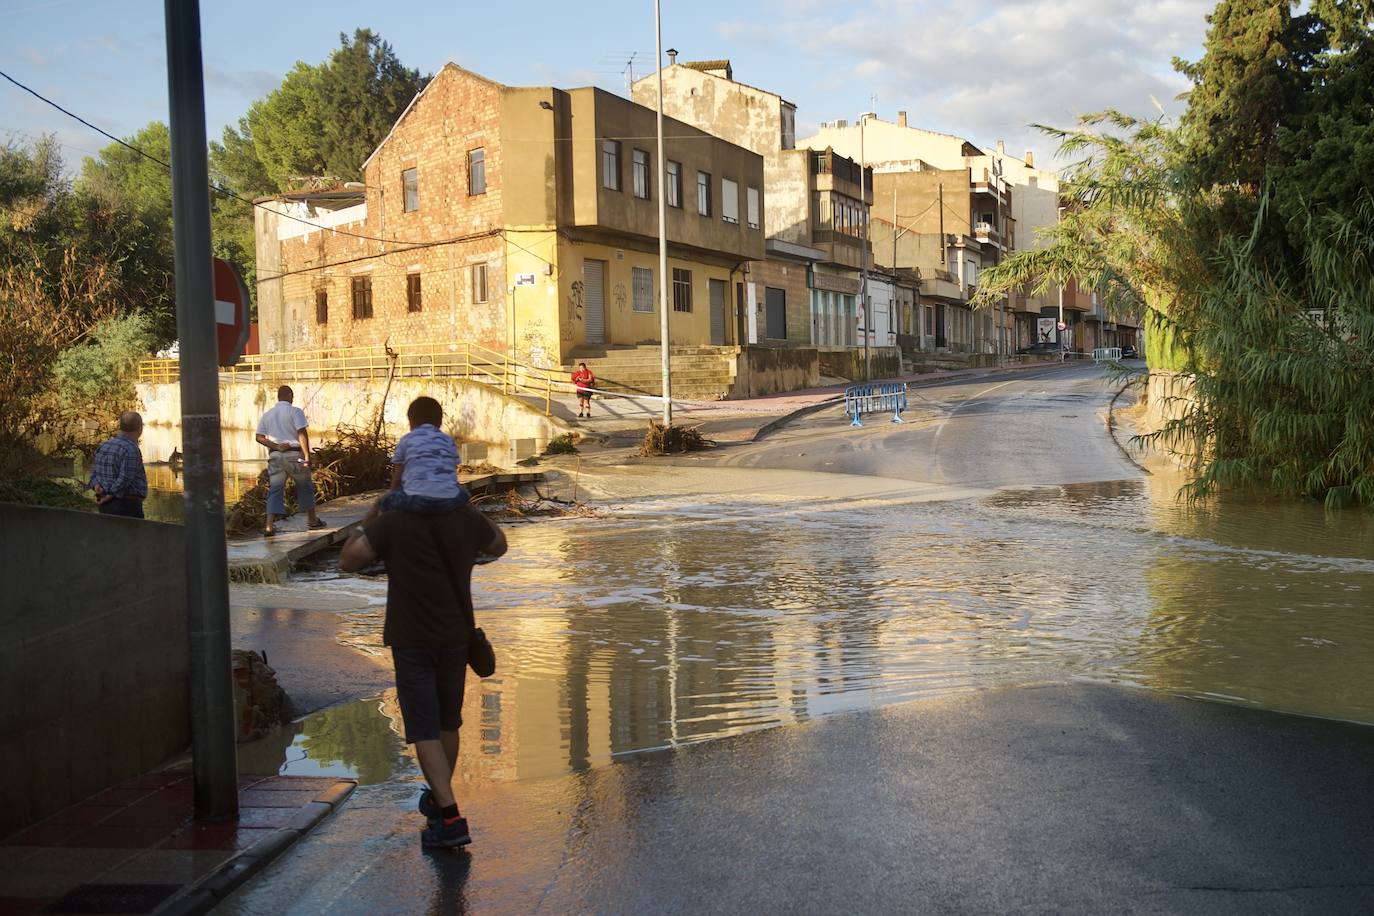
(986, 69)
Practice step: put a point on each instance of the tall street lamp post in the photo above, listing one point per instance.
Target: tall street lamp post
(1059, 332)
(863, 273)
(663, 228)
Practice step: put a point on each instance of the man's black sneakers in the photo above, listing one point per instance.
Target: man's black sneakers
(446, 834)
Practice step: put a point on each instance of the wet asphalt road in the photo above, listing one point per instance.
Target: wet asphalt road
(1035, 427)
(1046, 799)
(1058, 799)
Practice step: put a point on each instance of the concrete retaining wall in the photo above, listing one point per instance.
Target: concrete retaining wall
(769, 370)
(93, 656)
(472, 411)
(1168, 396)
(849, 363)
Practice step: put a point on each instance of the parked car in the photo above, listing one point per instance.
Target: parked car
(1039, 348)
(1129, 352)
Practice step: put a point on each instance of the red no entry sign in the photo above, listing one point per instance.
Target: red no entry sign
(231, 312)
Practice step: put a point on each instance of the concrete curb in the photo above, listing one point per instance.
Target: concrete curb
(1112, 428)
(211, 890)
(778, 423)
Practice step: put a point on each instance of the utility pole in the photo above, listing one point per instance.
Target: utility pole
(863, 273)
(213, 763)
(663, 227)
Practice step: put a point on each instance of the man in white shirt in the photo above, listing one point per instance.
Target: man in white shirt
(282, 431)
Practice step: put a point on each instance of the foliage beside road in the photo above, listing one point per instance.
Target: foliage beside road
(1243, 233)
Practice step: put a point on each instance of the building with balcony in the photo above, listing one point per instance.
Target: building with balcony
(991, 205)
(804, 291)
(523, 219)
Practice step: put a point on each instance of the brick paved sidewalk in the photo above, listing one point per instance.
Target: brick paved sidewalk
(135, 848)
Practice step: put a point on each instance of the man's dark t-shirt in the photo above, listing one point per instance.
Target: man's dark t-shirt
(422, 611)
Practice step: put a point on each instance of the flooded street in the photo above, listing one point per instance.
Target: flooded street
(686, 615)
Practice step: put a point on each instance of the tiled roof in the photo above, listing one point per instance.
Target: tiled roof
(707, 64)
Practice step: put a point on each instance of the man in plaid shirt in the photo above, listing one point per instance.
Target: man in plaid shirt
(117, 473)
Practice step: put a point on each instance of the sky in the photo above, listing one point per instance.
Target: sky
(983, 69)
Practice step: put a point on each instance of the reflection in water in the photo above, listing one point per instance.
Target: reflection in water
(361, 740)
(691, 621)
(164, 502)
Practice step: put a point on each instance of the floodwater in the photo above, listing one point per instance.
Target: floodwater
(680, 618)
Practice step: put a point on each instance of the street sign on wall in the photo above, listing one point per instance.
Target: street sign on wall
(231, 312)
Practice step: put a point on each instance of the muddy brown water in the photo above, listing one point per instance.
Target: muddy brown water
(690, 617)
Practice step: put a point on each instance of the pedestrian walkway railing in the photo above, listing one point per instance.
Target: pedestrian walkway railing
(467, 361)
(876, 398)
(1107, 353)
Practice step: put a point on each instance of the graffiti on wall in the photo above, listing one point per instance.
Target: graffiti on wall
(619, 295)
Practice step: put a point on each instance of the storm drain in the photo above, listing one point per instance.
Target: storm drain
(113, 898)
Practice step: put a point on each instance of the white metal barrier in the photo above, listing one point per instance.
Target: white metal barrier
(1112, 354)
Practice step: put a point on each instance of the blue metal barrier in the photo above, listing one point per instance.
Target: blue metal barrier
(862, 399)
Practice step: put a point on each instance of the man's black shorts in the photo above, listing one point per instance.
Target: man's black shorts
(429, 687)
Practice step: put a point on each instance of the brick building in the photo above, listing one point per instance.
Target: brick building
(804, 292)
(521, 219)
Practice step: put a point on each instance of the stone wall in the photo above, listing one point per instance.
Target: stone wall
(93, 656)
(472, 412)
(849, 363)
(769, 370)
(1168, 396)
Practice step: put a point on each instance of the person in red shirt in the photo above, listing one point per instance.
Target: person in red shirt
(585, 380)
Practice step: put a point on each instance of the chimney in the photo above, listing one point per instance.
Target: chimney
(1001, 148)
(901, 119)
(672, 57)
(1030, 159)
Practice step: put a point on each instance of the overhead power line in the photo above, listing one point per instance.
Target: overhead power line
(217, 188)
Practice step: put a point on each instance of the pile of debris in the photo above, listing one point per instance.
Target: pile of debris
(673, 440)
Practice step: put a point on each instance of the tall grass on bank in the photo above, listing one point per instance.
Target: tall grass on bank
(1284, 369)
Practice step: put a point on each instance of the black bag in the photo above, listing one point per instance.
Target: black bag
(481, 656)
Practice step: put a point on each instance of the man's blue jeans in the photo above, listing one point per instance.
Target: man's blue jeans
(281, 465)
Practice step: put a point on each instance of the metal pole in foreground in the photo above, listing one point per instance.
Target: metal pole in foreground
(663, 229)
(863, 247)
(214, 766)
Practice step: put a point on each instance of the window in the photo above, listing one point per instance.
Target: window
(362, 297)
(410, 190)
(775, 304)
(674, 188)
(682, 290)
(610, 164)
(704, 193)
(321, 306)
(479, 283)
(642, 281)
(753, 205)
(640, 160)
(412, 292)
(477, 171)
(729, 201)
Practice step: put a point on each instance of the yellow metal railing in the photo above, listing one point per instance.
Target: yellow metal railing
(468, 361)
